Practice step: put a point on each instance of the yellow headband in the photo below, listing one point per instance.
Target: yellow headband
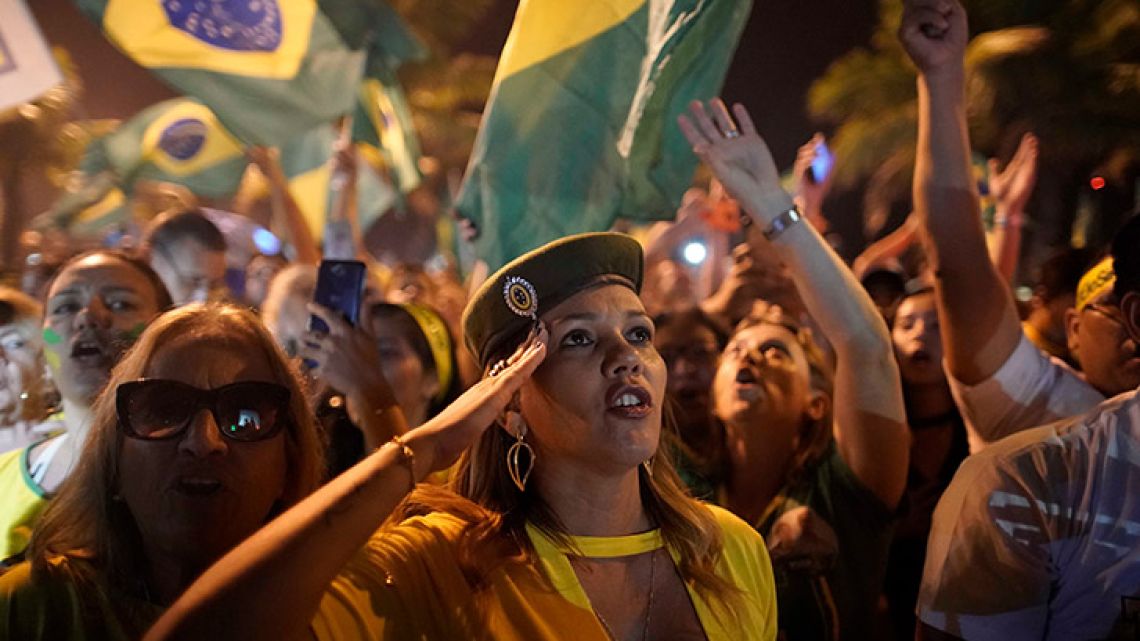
(438, 340)
(1096, 282)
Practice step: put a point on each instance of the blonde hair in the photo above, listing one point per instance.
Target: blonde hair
(93, 531)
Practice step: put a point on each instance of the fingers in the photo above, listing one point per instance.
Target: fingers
(704, 123)
(722, 119)
(744, 120)
(696, 139)
(338, 326)
(517, 372)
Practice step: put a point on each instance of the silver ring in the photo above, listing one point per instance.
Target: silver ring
(732, 133)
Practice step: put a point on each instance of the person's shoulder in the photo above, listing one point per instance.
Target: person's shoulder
(23, 591)
(732, 525)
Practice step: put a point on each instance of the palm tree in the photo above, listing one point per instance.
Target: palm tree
(1068, 70)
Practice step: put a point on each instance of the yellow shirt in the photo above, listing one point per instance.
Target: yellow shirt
(52, 608)
(21, 501)
(407, 584)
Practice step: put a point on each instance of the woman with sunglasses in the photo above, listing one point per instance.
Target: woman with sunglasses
(566, 521)
(201, 437)
(817, 454)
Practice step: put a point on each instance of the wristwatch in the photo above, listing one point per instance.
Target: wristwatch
(781, 223)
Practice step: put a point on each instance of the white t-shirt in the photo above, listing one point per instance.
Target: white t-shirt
(1038, 536)
(1030, 389)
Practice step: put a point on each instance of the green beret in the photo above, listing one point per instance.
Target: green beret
(537, 281)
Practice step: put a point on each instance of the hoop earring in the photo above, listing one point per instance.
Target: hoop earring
(647, 464)
(516, 467)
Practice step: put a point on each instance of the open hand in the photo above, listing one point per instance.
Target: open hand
(737, 156)
(934, 34)
(1013, 186)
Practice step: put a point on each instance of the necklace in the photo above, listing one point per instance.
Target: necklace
(648, 607)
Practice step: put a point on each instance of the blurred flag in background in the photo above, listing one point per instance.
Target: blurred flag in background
(269, 69)
(580, 125)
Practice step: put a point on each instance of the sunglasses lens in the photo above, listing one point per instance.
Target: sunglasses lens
(250, 411)
(159, 410)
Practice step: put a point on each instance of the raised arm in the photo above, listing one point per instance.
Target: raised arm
(284, 207)
(1011, 188)
(888, 247)
(870, 428)
(980, 326)
(270, 586)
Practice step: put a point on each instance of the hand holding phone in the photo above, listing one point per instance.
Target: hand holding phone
(340, 287)
(821, 164)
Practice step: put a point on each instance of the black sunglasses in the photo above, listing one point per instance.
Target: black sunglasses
(159, 409)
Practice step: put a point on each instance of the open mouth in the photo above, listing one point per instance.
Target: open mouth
(87, 350)
(921, 357)
(629, 401)
(197, 486)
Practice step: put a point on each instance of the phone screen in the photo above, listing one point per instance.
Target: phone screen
(821, 166)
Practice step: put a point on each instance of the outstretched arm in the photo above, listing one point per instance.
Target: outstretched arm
(1011, 188)
(284, 206)
(980, 326)
(304, 548)
(870, 428)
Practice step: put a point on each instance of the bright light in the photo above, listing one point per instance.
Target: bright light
(1097, 183)
(695, 252)
(266, 242)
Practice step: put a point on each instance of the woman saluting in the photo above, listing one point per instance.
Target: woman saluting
(564, 521)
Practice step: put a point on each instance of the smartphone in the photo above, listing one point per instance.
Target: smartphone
(340, 287)
(821, 166)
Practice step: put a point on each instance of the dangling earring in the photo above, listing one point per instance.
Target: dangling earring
(519, 470)
(648, 465)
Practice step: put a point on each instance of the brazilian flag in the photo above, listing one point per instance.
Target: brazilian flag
(268, 68)
(179, 141)
(581, 126)
(382, 126)
(383, 131)
(176, 141)
(305, 161)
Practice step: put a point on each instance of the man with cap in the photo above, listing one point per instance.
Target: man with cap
(1037, 536)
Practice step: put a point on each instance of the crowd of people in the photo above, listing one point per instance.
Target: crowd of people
(807, 451)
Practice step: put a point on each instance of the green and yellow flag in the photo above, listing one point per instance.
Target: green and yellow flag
(179, 141)
(580, 127)
(268, 68)
(382, 126)
(305, 162)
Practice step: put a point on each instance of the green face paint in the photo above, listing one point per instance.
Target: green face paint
(136, 331)
(51, 337)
